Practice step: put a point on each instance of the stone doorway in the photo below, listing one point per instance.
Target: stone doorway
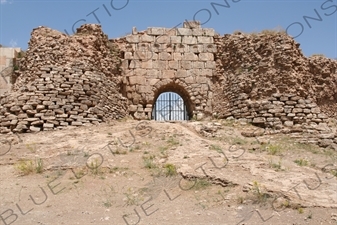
(169, 106)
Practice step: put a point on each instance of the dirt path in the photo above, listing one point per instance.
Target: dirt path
(151, 172)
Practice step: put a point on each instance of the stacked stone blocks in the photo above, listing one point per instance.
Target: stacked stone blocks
(162, 56)
(279, 110)
(61, 97)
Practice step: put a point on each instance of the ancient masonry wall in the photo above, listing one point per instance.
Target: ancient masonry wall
(7, 60)
(61, 97)
(278, 111)
(191, 61)
(161, 59)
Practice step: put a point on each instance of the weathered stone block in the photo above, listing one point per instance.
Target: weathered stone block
(155, 31)
(128, 55)
(76, 123)
(48, 117)
(197, 48)
(288, 123)
(181, 73)
(210, 65)
(192, 24)
(161, 65)
(315, 110)
(190, 40)
(284, 98)
(22, 116)
(165, 56)
(152, 73)
(48, 103)
(311, 105)
(5, 124)
(276, 110)
(208, 32)
(144, 89)
(198, 65)
(203, 80)
(259, 120)
(326, 136)
(163, 39)
(48, 125)
(197, 32)
(297, 110)
(53, 106)
(15, 108)
(291, 102)
(190, 56)
(181, 48)
(133, 108)
(322, 116)
(300, 106)
(34, 129)
(135, 64)
(206, 57)
(295, 98)
(130, 47)
(205, 40)
(210, 48)
(173, 65)
(175, 39)
(306, 111)
(132, 38)
(184, 32)
(146, 38)
(189, 80)
(143, 55)
(177, 56)
(152, 82)
(147, 64)
(207, 72)
(168, 73)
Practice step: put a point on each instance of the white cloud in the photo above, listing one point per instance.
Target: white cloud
(13, 43)
(2, 2)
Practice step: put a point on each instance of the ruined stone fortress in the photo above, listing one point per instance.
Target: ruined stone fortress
(261, 78)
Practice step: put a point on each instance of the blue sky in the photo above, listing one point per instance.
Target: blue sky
(316, 36)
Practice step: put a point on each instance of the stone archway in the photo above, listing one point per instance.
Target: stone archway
(187, 104)
(179, 60)
(169, 106)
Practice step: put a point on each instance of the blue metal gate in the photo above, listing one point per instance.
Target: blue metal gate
(169, 106)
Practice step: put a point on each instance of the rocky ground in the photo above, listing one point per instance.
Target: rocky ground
(148, 172)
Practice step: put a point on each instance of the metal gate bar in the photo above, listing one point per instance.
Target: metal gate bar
(169, 106)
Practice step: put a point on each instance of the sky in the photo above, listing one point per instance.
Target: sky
(313, 24)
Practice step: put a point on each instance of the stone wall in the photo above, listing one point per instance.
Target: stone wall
(261, 64)
(87, 78)
(162, 59)
(61, 97)
(88, 49)
(278, 111)
(7, 61)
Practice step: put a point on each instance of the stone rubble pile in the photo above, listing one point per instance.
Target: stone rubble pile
(88, 49)
(269, 62)
(61, 97)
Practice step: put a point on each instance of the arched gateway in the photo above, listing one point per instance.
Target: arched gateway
(169, 106)
(179, 60)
